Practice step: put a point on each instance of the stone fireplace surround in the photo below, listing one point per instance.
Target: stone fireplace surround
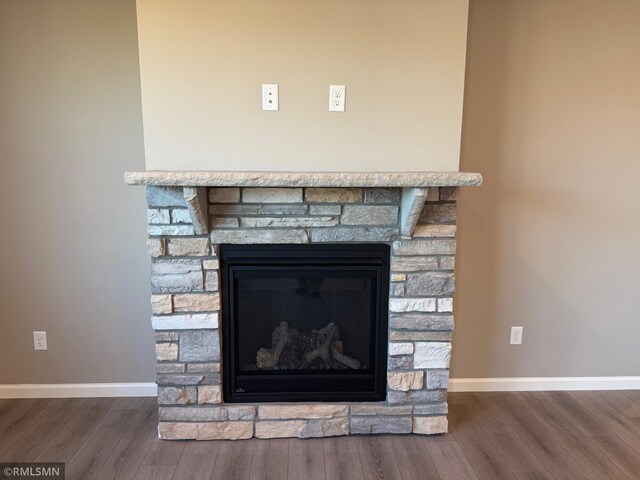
(191, 213)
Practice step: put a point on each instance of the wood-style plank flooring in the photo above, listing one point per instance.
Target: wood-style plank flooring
(541, 435)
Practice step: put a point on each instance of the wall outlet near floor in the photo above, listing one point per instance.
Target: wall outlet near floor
(39, 340)
(516, 335)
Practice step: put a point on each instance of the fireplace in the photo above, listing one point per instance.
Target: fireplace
(293, 304)
(304, 322)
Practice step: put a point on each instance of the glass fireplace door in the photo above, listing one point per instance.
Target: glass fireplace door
(307, 326)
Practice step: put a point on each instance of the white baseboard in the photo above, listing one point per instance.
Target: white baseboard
(149, 389)
(74, 390)
(529, 384)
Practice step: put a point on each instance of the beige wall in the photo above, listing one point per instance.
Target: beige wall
(203, 61)
(552, 239)
(72, 246)
(552, 116)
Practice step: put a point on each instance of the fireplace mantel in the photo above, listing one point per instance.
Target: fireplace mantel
(414, 186)
(215, 178)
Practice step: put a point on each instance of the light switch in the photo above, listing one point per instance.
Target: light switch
(270, 97)
(337, 98)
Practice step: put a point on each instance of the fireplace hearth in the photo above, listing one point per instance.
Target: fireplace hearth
(304, 322)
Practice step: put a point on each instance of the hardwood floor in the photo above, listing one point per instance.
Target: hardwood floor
(541, 435)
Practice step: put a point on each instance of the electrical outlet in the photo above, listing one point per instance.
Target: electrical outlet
(270, 101)
(516, 335)
(337, 98)
(39, 340)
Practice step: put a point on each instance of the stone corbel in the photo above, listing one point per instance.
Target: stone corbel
(196, 198)
(413, 199)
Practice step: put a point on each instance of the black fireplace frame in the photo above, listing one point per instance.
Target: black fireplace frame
(306, 387)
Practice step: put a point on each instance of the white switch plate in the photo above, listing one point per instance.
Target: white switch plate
(337, 98)
(516, 335)
(39, 340)
(270, 101)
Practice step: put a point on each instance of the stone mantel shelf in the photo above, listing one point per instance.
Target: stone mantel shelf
(215, 178)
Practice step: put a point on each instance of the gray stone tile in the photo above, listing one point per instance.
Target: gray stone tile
(255, 235)
(425, 247)
(430, 284)
(207, 413)
(421, 321)
(165, 197)
(369, 215)
(272, 195)
(353, 234)
(176, 275)
(378, 424)
(382, 195)
(438, 213)
(177, 395)
(200, 346)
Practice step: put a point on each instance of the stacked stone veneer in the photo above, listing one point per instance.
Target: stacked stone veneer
(186, 304)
